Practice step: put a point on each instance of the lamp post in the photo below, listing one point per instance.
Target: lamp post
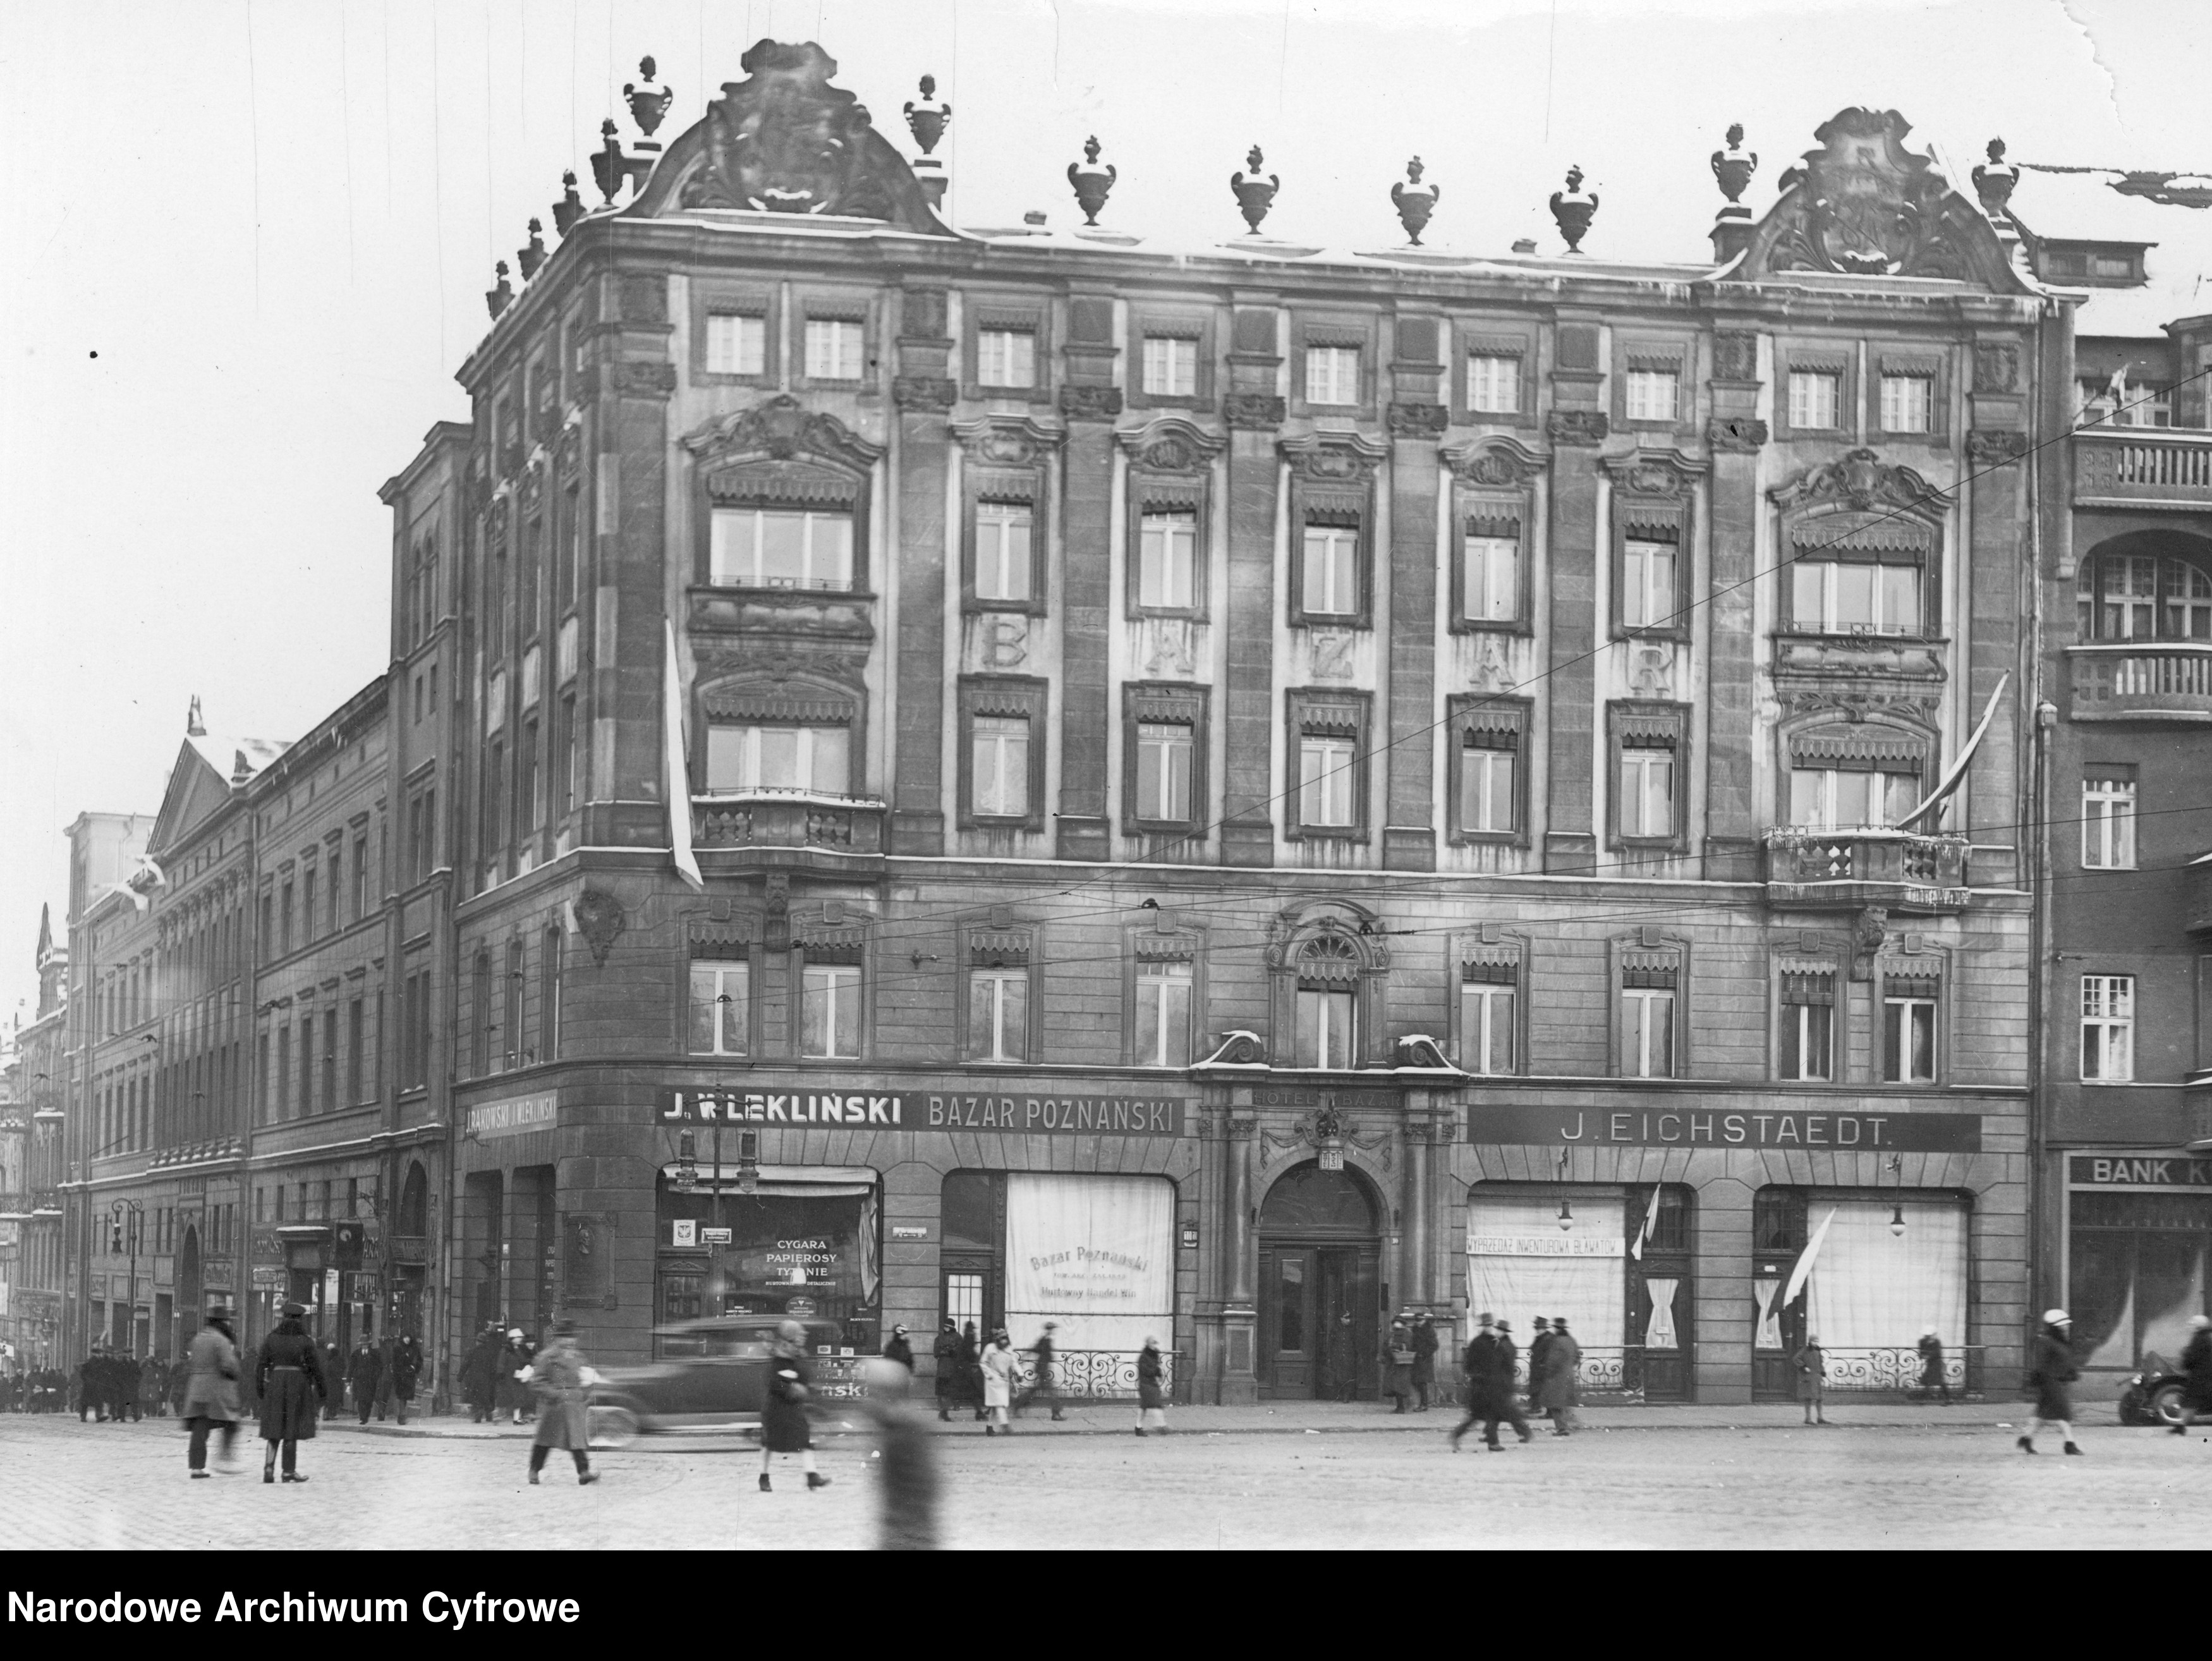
(116, 1211)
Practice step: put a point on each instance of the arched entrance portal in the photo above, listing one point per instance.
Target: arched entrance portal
(1320, 1302)
(190, 1307)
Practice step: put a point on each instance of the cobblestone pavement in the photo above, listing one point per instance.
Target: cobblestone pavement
(1925, 1483)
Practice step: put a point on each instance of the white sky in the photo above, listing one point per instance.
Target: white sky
(248, 245)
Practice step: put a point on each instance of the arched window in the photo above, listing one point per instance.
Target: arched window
(1328, 1003)
(2135, 596)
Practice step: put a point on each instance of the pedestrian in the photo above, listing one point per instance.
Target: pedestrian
(1540, 1345)
(1151, 1388)
(511, 1393)
(1479, 1367)
(2051, 1369)
(1000, 1367)
(211, 1391)
(1812, 1365)
(1398, 1364)
(946, 1353)
(333, 1361)
(1931, 1367)
(2196, 1374)
(560, 1381)
(1425, 1359)
(480, 1374)
(1341, 1368)
(906, 1466)
(149, 1388)
(899, 1350)
(364, 1373)
(1563, 1362)
(406, 1370)
(288, 1377)
(1045, 1384)
(971, 1370)
(784, 1427)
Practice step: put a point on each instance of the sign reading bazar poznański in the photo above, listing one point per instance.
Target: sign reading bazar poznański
(1727, 1127)
(907, 1109)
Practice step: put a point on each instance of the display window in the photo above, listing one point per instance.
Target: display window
(2137, 1264)
(805, 1244)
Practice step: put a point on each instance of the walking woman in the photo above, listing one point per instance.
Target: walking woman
(556, 1378)
(287, 1376)
(999, 1367)
(211, 1395)
(2051, 1369)
(1151, 1389)
(946, 1352)
(971, 1370)
(784, 1428)
(1811, 1364)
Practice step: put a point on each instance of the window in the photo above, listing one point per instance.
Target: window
(307, 905)
(564, 756)
(1647, 790)
(1005, 357)
(771, 548)
(1332, 374)
(357, 1053)
(1000, 779)
(414, 1046)
(1487, 993)
(510, 1019)
(1853, 597)
(1489, 797)
(1647, 584)
(548, 996)
(330, 1088)
(1651, 394)
(830, 1011)
(1493, 384)
(997, 1014)
(833, 349)
(1844, 799)
(306, 1098)
(1807, 1035)
(1167, 559)
(1490, 588)
(422, 838)
(720, 1007)
(1164, 772)
(1327, 1003)
(1172, 367)
(815, 759)
(737, 343)
(337, 885)
(1647, 1025)
(1908, 403)
(1908, 1029)
(1325, 768)
(285, 939)
(1816, 397)
(1164, 999)
(1332, 570)
(529, 789)
(2108, 1028)
(1002, 551)
(2108, 823)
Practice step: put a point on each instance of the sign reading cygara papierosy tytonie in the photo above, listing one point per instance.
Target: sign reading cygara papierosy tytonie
(1058, 1116)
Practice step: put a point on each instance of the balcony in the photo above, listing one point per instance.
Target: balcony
(46, 1203)
(825, 611)
(2142, 680)
(1850, 870)
(2144, 467)
(14, 1207)
(799, 824)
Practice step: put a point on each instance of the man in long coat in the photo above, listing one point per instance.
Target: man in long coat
(479, 1374)
(334, 1372)
(1563, 1359)
(1481, 1364)
(289, 1376)
(557, 1377)
(946, 1352)
(210, 1401)
(406, 1371)
(2197, 1374)
(1425, 1359)
(1540, 1346)
(363, 1372)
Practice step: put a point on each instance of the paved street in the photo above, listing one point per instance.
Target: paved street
(1636, 1478)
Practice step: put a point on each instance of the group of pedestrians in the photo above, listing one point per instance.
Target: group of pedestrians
(1492, 1365)
(39, 1390)
(112, 1384)
(495, 1377)
(1409, 1361)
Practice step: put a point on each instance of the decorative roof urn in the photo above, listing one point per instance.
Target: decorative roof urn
(1254, 195)
(1414, 201)
(1994, 181)
(609, 166)
(531, 255)
(501, 294)
(927, 118)
(1732, 169)
(570, 208)
(1092, 181)
(648, 102)
(1572, 209)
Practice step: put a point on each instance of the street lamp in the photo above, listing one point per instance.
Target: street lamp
(116, 1211)
(1896, 1206)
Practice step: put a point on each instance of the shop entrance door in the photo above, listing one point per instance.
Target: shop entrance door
(1318, 1322)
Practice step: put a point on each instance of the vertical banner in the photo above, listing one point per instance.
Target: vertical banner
(679, 774)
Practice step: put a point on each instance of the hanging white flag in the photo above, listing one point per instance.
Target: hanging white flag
(1650, 1222)
(1804, 1266)
(679, 774)
(1959, 767)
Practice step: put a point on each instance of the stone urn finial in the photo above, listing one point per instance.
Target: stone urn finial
(1994, 182)
(1572, 209)
(1415, 201)
(501, 294)
(1732, 170)
(1254, 195)
(570, 208)
(927, 118)
(609, 166)
(1092, 181)
(532, 254)
(648, 102)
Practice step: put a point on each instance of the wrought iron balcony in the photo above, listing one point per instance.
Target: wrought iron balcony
(789, 819)
(14, 1207)
(2144, 680)
(1850, 870)
(46, 1203)
(2144, 467)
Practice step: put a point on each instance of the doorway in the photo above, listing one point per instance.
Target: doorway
(190, 1294)
(1321, 1293)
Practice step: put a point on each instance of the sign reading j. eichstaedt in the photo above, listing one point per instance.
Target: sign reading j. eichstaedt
(516, 1115)
(1725, 1127)
(1056, 1115)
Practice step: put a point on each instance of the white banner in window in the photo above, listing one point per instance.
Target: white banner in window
(1094, 1254)
(1586, 1285)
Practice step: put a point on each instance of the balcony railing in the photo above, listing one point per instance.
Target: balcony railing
(770, 819)
(1846, 870)
(2146, 680)
(46, 1203)
(2140, 466)
(14, 1207)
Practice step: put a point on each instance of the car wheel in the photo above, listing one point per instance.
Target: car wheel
(2165, 1405)
(612, 1426)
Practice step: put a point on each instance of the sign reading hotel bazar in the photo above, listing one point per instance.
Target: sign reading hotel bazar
(1722, 1126)
(2141, 1170)
(1052, 1115)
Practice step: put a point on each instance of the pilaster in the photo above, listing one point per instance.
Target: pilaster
(1577, 427)
(1254, 411)
(924, 393)
(1089, 401)
(1417, 421)
(1733, 435)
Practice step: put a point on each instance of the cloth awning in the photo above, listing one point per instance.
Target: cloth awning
(793, 1181)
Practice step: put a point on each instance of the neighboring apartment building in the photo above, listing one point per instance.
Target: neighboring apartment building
(41, 1069)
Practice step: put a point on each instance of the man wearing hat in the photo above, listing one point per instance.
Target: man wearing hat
(1043, 1385)
(562, 1383)
(2051, 1369)
(1480, 1366)
(2197, 1374)
(896, 1348)
(288, 1377)
(211, 1395)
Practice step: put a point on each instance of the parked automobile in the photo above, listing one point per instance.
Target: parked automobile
(713, 1374)
(2153, 1395)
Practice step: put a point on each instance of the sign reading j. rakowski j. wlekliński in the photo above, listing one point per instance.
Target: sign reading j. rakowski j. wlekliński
(1060, 1116)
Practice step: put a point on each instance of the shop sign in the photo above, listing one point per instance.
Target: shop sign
(267, 1247)
(715, 1236)
(268, 1279)
(2137, 1171)
(911, 1231)
(1548, 1245)
(1344, 1100)
(1061, 1115)
(684, 1232)
(798, 1306)
(1688, 1127)
(514, 1116)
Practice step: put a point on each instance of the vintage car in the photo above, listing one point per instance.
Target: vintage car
(2154, 1395)
(712, 1375)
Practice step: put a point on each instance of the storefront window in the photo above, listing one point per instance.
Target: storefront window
(1094, 1254)
(1875, 1289)
(804, 1244)
(1522, 1263)
(2139, 1262)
